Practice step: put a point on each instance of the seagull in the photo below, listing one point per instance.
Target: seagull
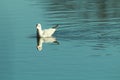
(46, 32)
(41, 41)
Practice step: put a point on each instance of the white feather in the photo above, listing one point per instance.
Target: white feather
(46, 32)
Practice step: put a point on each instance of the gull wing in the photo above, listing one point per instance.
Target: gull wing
(48, 32)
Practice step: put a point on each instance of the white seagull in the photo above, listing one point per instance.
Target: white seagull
(46, 32)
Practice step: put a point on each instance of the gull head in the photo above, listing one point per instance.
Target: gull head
(38, 26)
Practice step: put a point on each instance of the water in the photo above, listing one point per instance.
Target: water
(88, 36)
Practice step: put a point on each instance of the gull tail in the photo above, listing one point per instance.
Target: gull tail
(55, 27)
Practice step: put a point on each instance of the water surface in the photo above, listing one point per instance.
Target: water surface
(88, 36)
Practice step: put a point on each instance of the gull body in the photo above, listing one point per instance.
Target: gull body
(46, 32)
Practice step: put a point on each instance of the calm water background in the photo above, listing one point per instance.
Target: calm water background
(89, 37)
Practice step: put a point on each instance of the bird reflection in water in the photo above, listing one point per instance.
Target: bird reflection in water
(45, 36)
(41, 41)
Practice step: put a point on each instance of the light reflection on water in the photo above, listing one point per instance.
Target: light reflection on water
(41, 41)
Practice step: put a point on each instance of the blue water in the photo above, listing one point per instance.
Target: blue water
(88, 36)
